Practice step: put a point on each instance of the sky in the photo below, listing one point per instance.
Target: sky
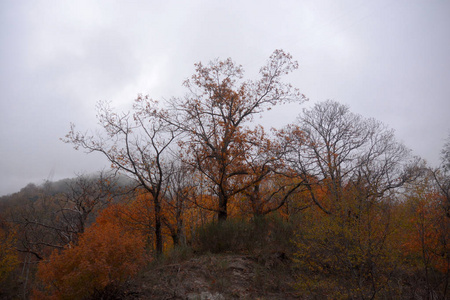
(388, 60)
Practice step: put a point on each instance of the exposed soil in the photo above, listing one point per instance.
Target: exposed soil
(220, 276)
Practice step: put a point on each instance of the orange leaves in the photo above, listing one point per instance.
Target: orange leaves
(428, 229)
(216, 114)
(106, 256)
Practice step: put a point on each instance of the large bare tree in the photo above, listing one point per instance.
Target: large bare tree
(331, 146)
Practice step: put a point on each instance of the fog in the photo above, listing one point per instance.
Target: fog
(385, 59)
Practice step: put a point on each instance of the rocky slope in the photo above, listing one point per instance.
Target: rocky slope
(220, 276)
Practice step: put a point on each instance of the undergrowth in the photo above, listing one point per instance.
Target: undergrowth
(260, 234)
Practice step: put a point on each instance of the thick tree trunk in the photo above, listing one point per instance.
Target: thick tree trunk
(223, 213)
(176, 239)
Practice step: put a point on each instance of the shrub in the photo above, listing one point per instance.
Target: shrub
(239, 235)
(106, 256)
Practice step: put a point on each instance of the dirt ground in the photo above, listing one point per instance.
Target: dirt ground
(218, 277)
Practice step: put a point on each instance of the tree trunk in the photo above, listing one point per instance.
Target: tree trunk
(180, 232)
(223, 213)
(158, 234)
(175, 239)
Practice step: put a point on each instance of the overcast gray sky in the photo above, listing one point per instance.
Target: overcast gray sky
(385, 59)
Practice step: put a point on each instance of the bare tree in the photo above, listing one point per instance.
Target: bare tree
(445, 152)
(179, 197)
(351, 167)
(137, 144)
(86, 195)
(442, 176)
(55, 220)
(331, 146)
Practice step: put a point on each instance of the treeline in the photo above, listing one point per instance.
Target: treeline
(368, 219)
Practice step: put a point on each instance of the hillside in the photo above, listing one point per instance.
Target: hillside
(218, 276)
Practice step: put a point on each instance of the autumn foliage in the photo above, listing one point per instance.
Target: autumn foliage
(105, 257)
(333, 194)
(9, 258)
(426, 240)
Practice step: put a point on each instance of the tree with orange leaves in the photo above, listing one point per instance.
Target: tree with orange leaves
(216, 116)
(269, 186)
(426, 235)
(106, 255)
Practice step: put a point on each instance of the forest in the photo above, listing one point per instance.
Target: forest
(333, 199)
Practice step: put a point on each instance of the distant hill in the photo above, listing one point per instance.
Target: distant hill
(33, 191)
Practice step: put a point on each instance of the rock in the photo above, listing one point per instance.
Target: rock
(205, 296)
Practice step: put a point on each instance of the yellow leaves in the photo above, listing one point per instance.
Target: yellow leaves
(349, 248)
